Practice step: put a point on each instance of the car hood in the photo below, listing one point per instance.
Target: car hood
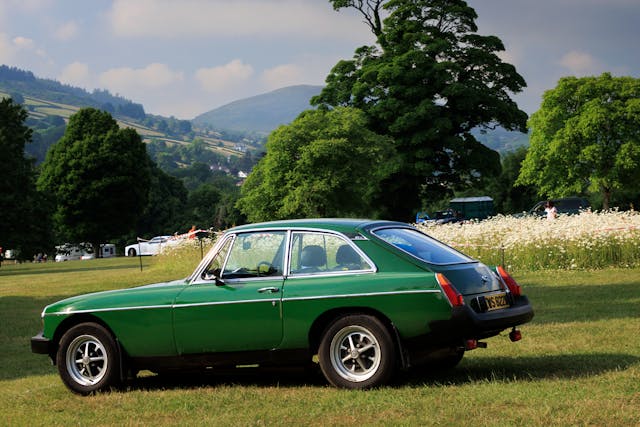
(157, 294)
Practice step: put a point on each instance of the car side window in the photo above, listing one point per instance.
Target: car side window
(319, 253)
(255, 254)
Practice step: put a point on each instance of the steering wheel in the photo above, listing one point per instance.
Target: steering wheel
(270, 268)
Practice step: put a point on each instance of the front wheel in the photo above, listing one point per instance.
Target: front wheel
(132, 252)
(88, 359)
(357, 352)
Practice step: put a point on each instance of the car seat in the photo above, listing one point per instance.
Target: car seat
(312, 258)
(347, 259)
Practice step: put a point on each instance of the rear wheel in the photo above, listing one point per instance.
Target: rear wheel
(88, 359)
(357, 352)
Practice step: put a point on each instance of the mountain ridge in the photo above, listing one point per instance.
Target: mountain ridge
(268, 110)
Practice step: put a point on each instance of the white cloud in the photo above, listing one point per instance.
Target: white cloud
(67, 31)
(23, 43)
(264, 18)
(283, 75)
(580, 63)
(225, 77)
(132, 80)
(76, 74)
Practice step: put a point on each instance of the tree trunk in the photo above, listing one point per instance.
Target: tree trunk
(606, 193)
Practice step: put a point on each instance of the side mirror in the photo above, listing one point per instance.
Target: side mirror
(213, 275)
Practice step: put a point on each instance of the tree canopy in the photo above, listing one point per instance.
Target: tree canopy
(585, 136)
(427, 83)
(23, 222)
(98, 176)
(325, 163)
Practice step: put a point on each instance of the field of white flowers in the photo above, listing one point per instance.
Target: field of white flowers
(586, 241)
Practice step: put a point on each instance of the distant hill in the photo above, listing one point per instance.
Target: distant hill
(501, 140)
(261, 113)
(15, 81)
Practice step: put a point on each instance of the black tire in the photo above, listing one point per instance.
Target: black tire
(132, 252)
(357, 352)
(88, 359)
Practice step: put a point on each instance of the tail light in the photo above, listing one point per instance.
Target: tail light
(513, 286)
(452, 294)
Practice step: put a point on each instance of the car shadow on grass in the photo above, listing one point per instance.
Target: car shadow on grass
(532, 368)
(496, 369)
(244, 377)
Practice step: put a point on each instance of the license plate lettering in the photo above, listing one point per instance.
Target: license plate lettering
(496, 302)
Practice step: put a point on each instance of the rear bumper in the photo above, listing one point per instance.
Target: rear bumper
(465, 323)
(40, 344)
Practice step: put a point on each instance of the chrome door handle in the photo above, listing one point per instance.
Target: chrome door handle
(270, 289)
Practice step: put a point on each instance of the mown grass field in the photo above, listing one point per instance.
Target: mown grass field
(578, 364)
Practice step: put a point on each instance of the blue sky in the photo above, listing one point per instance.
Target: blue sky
(185, 57)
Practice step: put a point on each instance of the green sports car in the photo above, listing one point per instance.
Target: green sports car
(362, 298)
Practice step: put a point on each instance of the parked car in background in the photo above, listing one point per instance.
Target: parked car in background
(107, 250)
(149, 247)
(69, 252)
(10, 254)
(363, 298)
(565, 205)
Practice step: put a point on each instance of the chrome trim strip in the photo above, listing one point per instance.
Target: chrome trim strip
(201, 304)
(368, 294)
(244, 301)
(102, 310)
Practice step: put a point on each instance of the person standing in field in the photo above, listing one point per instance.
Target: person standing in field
(550, 210)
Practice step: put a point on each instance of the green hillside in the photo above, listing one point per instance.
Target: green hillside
(50, 104)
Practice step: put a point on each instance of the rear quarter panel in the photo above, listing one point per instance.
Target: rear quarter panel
(409, 300)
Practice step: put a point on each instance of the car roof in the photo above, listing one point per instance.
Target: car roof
(343, 225)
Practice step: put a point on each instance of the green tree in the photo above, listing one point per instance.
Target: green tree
(325, 163)
(164, 213)
(430, 80)
(24, 218)
(98, 176)
(507, 197)
(585, 136)
(202, 205)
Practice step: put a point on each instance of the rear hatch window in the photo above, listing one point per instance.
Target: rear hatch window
(469, 277)
(421, 246)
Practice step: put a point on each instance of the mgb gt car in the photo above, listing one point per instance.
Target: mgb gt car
(361, 298)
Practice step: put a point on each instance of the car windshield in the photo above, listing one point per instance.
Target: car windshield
(421, 246)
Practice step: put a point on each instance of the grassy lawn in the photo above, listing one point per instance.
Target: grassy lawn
(578, 364)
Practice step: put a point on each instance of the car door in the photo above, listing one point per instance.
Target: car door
(236, 303)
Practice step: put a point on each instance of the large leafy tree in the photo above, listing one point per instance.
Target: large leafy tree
(427, 83)
(98, 176)
(165, 208)
(24, 220)
(585, 136)
(325, 163)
